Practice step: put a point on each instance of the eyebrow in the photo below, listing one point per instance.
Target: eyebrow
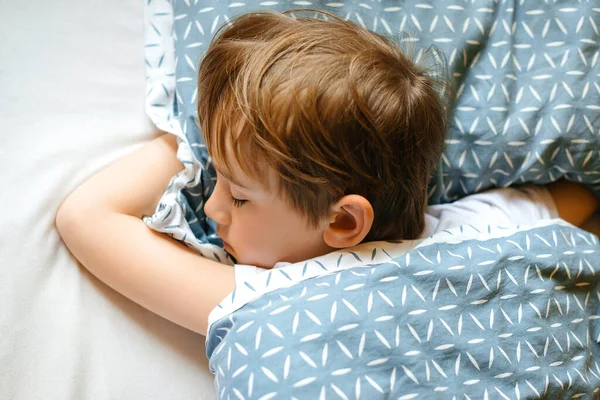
(230, 178)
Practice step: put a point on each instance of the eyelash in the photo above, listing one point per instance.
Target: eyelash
(238, 202)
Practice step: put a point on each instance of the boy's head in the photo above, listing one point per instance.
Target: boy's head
(321, 111)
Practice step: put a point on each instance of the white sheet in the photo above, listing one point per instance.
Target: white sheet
(71, 100)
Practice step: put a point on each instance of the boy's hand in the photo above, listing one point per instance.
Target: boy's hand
(574, 202)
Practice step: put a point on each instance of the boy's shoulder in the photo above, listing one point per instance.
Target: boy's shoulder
(523, 205)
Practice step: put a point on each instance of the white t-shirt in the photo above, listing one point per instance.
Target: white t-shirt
(523, 206)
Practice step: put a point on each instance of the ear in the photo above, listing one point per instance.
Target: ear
(350, 220)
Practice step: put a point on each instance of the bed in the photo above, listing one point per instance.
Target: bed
(72, 100)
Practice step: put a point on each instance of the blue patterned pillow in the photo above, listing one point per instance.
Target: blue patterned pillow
(526, 76)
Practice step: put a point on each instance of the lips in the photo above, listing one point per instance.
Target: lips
(227, 246)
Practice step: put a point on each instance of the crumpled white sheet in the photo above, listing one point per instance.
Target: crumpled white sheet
(72, 100)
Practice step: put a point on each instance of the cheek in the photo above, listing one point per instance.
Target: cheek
(245, 229)
(255, 238)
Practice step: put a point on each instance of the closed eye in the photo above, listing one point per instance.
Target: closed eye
(238, 202)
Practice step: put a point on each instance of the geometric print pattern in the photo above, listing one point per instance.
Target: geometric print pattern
(525, 73)
(528, 104)
(526, 79)
(526, 109)
(176, 217)
(511, 317)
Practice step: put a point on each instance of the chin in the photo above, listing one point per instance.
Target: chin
(262, 262)
(258, 263)
(263, 265)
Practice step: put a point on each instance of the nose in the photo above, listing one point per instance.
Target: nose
(217, 206)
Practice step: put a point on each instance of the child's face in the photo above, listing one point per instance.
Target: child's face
(257, 226)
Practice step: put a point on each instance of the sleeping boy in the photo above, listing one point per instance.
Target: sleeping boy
(324, 136)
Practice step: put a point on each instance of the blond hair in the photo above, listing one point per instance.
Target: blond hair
(332, 108)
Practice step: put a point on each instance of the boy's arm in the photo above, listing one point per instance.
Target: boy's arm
(100, 222)
(574, 202)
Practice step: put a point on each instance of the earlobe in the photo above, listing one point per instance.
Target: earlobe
(350, 221)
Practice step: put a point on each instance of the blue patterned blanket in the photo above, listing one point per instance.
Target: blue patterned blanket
(526, 75)
(470, 313)
(477, 312)
(527, 106)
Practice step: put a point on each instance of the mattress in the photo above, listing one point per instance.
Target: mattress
(72, 100)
